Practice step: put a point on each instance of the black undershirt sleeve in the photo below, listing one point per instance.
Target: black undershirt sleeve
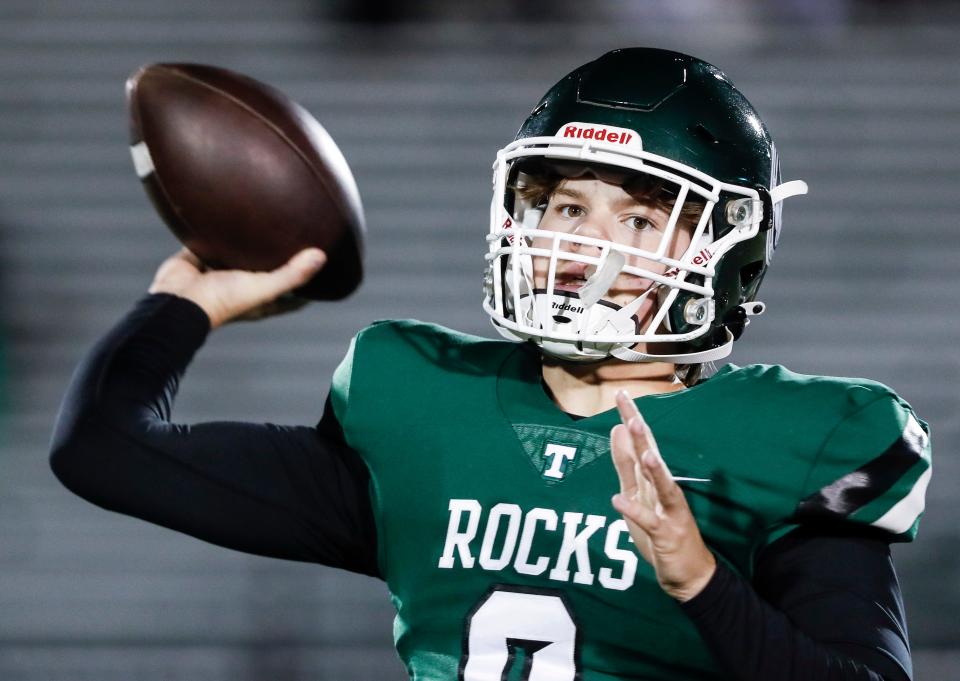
(293, 492)
(821, 608)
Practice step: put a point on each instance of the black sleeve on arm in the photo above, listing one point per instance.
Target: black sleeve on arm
(293, 492)
(822, 608)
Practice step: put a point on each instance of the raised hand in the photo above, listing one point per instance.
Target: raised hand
(227, 295)
(660, 522)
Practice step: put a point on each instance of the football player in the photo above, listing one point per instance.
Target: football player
(588, 503)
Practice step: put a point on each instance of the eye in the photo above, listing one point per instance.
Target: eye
(571, 210)
(638, 223)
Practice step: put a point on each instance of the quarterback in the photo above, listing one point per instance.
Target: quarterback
(613, 507)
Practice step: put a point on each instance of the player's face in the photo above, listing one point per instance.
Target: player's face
(591, 207)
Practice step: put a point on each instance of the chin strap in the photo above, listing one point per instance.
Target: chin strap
(710, 355)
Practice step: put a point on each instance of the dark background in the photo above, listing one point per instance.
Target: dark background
(862, 98)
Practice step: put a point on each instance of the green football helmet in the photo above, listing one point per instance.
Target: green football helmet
(670, 121)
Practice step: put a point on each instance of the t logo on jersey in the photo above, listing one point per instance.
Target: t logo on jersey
(557, 457)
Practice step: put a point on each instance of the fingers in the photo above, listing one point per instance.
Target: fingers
(296, 272)
(626, 407)
(300, 268)
(655, 470)
(634, 484)
(661, 525)
(176, 273)
(632, 417)
(652, 466)
(624, 458)
(188, 255)
(641, 514)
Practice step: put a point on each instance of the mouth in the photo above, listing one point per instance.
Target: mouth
(568, 283)
(572, 277)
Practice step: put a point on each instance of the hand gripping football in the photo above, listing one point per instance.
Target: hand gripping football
(242, 175)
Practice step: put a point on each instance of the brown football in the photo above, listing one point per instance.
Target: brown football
(242, 175)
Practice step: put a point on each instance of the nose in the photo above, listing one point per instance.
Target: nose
(591, 226)
(594, 228)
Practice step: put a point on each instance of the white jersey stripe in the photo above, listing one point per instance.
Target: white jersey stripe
(915, 436)
(904, 513)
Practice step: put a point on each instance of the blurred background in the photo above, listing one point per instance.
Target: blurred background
(863, 99)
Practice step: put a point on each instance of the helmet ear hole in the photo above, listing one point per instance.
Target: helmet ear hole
(749, 273)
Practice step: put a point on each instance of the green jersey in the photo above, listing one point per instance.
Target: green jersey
(497, 538)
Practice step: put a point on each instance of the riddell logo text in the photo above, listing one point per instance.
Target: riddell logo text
(567, 307)
(701, 258)
(599, 134)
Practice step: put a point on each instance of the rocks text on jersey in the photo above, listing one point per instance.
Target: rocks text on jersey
(504, 536)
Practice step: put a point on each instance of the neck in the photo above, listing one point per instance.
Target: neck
(588, 389)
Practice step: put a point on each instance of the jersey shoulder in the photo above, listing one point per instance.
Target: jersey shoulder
(393, 366)
(403, 343)
(778, 378)
(871, 464)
